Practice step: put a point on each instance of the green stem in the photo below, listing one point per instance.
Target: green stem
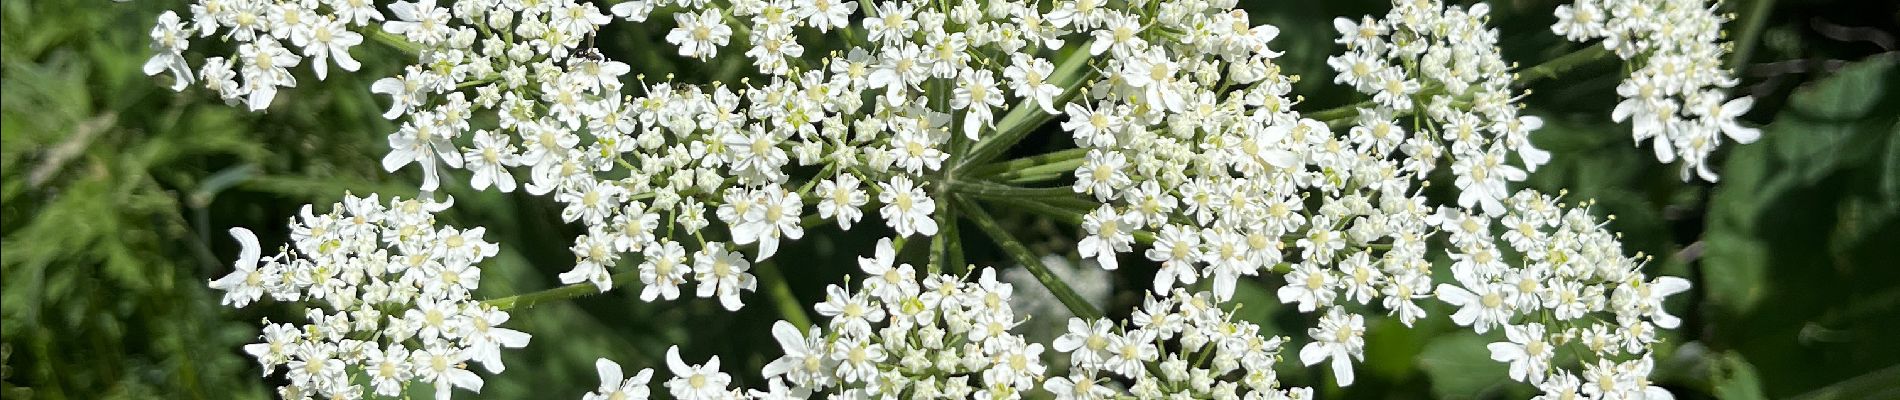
(1065, 215)
(1752, 23)
(1054, 168)
(1071, 70)
(528, 300)
(397, 42)
(1558, 66)
(940, 243)
(1081, 309)
(1036, 161)
(1341, 113)
(989, 189)
(781, 292)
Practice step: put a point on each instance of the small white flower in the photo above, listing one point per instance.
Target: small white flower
(1480, 308)
(597, 254)
(663, 271)
(699, 35)
(1109, 235)
(1178, 247)
(490, 159)
(774, 217)
(1097, 127)
(1102, 174)
(1029, 78)
(1128, 352)
(419, 21)
(804, 361)
(826, 14)
(1309, 286)
(1481, 180)
(907, 208)
(852, 314)
(722, 272)
(841, 198)
(169, 41)
(266, 66)
(1527, 352)
(444, 367)
(1340, 336)
(976, 94)
(695, 382)
(246, 282)
(612, 387)
(888, 280)
(1088, 342)
(485, 339)
(636, 10)
(405, 91)
(329, 38)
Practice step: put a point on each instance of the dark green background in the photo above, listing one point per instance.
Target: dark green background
(117, 193)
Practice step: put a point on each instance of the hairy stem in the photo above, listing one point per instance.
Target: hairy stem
(1001, 236)
(940, 244)
(1036, 161)
(1557, 66)
(781, 292)
(1047, 208)
(528, 300)
(991, 189)
(391, 40)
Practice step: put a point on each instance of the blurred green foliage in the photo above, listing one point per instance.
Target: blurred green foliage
(116, 193)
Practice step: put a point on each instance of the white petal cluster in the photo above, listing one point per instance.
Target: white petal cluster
(1181, 345)
(896, 336)
(1189, 154)
(1676, 94)
(1239, 185)
(1441, 63)
(389, 298)
(1572, 292)
(270, 37)
(689, 381)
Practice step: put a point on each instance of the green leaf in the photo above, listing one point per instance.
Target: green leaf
(1833, 123)
(1460, 367)
(1851, 93)
(1799, 246)
(1735, 379)
(1891, 182)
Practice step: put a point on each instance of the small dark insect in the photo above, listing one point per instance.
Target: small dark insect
(592, 54)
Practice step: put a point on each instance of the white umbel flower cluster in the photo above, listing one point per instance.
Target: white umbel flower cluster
(270, 37)
(1677, 94)
(1189, 153)
(1441, 63)
(1239, 185)
(897, 336)
(1572, 292)
(1181, 345)
(390, 301)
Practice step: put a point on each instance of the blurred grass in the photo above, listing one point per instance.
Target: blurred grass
(114, 193)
